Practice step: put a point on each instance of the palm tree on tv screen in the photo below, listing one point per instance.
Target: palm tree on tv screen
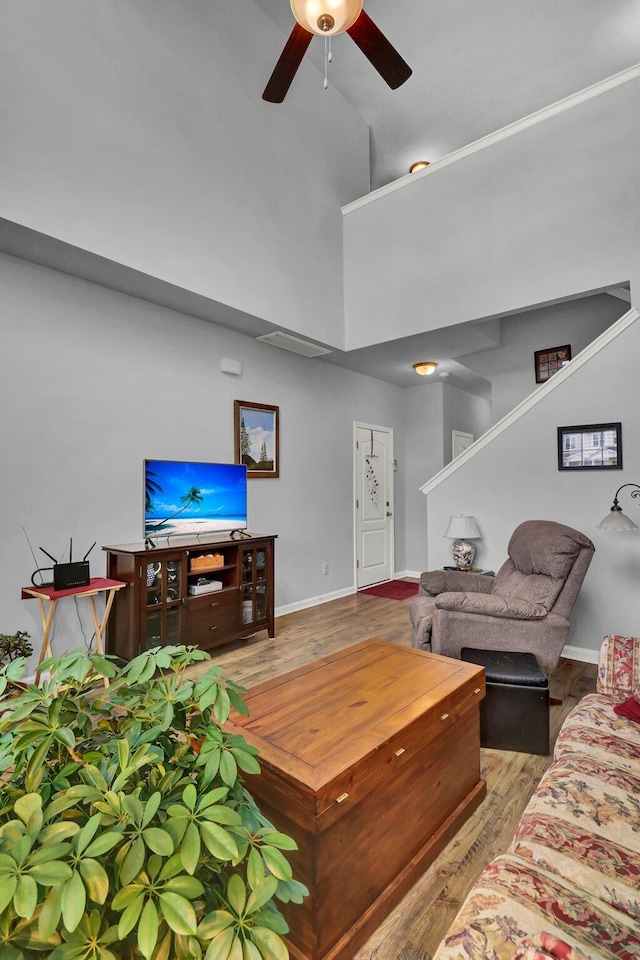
(193, 495)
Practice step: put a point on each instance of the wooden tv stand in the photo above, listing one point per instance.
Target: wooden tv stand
(166, 604)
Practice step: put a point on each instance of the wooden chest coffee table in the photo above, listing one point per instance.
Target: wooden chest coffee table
(371, 761)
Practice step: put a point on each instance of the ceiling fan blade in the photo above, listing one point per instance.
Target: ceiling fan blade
(287, 66)
(377, 49)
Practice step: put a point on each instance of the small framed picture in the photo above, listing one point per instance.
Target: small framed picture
(592, 446)
(257, 438)
(547, 362)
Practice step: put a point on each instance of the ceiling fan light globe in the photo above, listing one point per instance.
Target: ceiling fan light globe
(310, 14)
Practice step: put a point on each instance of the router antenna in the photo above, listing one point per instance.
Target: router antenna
(89, 550)
(46, 552)
(70, 549)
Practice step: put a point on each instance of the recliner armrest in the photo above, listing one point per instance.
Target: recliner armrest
(434, 582)
(492, 605)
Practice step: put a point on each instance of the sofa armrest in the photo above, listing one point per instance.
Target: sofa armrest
(619, 667)
(434, 582)
(492, 605)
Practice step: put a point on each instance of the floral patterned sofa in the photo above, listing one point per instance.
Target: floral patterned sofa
(569, 886)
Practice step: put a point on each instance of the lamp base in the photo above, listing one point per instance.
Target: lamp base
(463, 553)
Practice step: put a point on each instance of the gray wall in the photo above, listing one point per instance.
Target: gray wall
(93, 381)
(535, 218)
(515, 478)
(510, 367)
(137, 131)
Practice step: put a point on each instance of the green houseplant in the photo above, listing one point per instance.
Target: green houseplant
(125, 828)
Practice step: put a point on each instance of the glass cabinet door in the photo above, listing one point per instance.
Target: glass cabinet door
(254, 585)
(163, 586)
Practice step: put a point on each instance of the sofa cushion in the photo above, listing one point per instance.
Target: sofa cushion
(513, 900)
(583, 824)
(593, 728)
(619, 666)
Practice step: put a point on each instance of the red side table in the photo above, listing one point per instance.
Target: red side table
(48, 598)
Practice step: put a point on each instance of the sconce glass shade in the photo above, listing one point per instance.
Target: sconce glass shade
(617, 520)
(425, 368)
(463, 528)
(418, 165)
(326, 17)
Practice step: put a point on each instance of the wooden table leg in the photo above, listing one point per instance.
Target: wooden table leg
(99, 627)
(46, 615)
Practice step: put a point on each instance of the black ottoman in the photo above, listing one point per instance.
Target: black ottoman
(514, 715)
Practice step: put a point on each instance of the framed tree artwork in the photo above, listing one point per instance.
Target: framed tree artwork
(257, 438)
(549, 361)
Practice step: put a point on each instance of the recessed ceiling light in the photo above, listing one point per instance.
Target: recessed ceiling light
(425, 368)
(418, 165)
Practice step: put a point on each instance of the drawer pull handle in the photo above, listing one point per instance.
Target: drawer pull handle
(444, 716)
(213, 628)
(477, 689)
(398, 753)
(342, 798)
(217, 604)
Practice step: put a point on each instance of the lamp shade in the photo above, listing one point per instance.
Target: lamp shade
(617, 520)
(463, 528)
(326, 17)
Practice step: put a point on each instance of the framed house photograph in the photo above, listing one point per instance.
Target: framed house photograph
(592, 446)
(257, 438)
(549, 361)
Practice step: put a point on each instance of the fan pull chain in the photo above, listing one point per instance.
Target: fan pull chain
(328, 57)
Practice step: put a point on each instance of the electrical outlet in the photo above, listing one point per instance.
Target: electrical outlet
(325, 569)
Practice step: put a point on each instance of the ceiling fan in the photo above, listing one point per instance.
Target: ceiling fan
(326, 18)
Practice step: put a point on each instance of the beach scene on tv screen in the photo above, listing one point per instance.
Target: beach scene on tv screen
(186, 498)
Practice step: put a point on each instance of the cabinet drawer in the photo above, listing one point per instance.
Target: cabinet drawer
(221, 601)
(211, 617)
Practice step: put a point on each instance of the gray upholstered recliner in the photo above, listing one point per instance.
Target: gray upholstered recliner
(525, 607)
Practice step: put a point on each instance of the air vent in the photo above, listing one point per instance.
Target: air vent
(294, 344)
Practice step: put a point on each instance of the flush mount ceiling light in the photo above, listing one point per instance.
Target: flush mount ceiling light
(425, 368)
(326, 18)
(418, 165)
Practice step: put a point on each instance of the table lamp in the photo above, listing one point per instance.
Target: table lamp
(616, 519)
(461, 530)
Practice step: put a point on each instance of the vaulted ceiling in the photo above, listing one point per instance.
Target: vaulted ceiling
(478, 65)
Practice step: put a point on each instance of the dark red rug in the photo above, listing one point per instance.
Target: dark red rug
(392, 590)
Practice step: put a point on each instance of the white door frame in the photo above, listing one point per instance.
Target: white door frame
(390, 471)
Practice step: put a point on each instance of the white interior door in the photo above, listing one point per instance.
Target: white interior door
(373, 504)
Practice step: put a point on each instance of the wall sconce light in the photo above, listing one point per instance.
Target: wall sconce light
(418, 165)
(616, 519)
(462, 529)
(425, 368)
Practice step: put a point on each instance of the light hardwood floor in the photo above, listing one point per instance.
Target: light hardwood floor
(416, 927)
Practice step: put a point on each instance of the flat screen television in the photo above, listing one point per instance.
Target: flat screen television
(184, 498)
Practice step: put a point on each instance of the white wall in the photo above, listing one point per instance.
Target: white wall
(93, 381)
(534, 218)
(137, 131)
(515, 478)
(510, 367)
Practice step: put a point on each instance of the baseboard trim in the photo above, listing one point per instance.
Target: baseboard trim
(313, 601)
(583, 654)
